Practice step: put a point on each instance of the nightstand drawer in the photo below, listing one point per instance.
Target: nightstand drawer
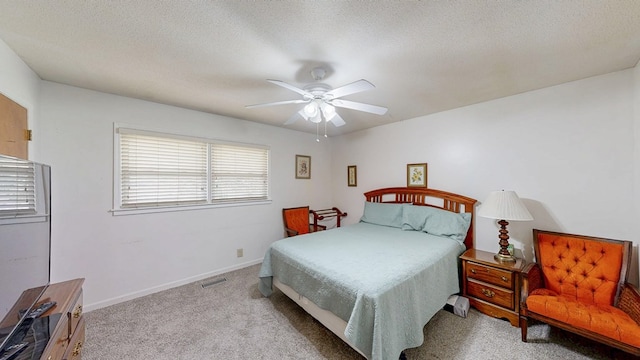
(492, 294)
(490, 275)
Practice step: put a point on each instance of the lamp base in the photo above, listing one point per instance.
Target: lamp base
(504, 258)
(504, 255)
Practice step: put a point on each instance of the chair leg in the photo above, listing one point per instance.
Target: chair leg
(523, 327)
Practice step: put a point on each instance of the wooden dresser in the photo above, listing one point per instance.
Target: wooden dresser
(65, 321)
(491, 286)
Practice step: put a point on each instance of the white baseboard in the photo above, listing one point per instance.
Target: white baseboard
(155, 289)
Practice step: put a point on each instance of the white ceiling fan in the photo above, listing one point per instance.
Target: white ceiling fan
(322, 100)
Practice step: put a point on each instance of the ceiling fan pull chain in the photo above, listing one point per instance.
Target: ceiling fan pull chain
(317, 130)
(325, 128)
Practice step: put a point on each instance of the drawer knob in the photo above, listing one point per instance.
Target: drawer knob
(77, 349)
(473, 271)
(488, 293)
(77, 312)
(504, 278)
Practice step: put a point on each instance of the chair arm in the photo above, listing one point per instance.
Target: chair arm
(531, 280)
(629, 302)
(316, 227)
(290, 232)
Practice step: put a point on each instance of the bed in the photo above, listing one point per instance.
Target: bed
(376, 283)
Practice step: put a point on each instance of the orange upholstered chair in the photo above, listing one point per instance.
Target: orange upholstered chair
(578, 283)
(296, 221)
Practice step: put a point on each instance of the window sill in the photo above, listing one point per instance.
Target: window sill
(151, 210)
(23, 219)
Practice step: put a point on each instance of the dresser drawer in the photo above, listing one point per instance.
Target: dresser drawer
(75, 314)
(74, 350)
(490, 275)
(492, 294)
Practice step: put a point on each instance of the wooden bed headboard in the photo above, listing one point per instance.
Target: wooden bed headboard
(428, 197)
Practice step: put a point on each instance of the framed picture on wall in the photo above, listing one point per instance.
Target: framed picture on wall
(303, 167)
(352, 176)
(417, 175)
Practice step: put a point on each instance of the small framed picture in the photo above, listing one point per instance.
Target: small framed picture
(417, 175)
(352, 175)
(303, 167)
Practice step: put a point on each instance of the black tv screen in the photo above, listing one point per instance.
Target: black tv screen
(25, 227)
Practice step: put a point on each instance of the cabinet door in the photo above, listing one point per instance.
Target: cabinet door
(13, 128)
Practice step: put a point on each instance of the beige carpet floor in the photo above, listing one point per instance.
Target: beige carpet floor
(232, 320)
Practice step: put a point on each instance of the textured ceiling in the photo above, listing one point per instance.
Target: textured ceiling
(423, 57)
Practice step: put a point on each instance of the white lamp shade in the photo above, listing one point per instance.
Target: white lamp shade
(504, 205)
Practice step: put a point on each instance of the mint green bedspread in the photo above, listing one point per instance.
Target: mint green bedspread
(386, 283)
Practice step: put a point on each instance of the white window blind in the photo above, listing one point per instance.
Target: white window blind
(164, 170)
(17, 187)
(238, 173)
(159, 171)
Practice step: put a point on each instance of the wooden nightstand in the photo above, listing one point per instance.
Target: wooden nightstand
(492, 287)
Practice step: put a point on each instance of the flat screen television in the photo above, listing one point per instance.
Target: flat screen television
(25, 245)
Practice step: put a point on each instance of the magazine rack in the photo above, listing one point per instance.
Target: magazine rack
(325, 214)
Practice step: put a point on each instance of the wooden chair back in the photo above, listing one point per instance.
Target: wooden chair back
(296, 219)
(586, 269)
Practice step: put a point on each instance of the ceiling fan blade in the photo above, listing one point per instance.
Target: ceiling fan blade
(354, 87)
(379, 110)
(300, 101)
(291, 87)
(296, 116)
(337, 120)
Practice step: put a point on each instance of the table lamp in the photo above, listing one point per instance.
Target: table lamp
(504, 205)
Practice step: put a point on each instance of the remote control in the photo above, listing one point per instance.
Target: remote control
(13, 350)
(41, 309)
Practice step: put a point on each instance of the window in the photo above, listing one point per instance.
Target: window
(238, 172)
(161, 170)
(17, 187)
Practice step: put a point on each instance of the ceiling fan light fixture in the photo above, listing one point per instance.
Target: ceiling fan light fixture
(311, 109)
(316, 119)
(303, 114)
(328, 110)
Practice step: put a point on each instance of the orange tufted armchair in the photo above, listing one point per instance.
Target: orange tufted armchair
(296, 221)
(578, 283)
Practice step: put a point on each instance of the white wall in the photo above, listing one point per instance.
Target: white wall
(20, 84)
(567, 150)
(127, 256)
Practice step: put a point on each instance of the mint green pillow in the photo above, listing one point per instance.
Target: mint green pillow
(384, 214)
(436, 221)
(414, 217)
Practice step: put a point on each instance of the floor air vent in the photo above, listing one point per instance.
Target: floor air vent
(213, 282)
